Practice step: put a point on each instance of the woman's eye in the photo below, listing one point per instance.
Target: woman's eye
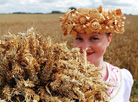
(94, 38)
(78, 38)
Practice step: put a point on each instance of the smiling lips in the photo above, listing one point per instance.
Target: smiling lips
(89, 53)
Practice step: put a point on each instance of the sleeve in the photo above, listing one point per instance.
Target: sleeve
(128, 80)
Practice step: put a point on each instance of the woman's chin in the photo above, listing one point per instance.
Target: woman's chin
(90, 59)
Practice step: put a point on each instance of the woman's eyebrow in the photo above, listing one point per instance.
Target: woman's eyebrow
(78, 36)
(94, 36)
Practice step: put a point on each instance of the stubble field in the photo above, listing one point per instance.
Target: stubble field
(122, 52)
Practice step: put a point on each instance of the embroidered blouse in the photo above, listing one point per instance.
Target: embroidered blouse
(122, 81)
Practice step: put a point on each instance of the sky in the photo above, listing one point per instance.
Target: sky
(47, 6)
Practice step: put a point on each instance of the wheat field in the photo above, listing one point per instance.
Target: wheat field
(122, 52)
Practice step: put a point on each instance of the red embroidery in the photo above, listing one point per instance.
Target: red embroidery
(114, 70)
(112, 91)
(110, 88)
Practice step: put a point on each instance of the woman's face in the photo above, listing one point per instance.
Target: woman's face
(95, 44)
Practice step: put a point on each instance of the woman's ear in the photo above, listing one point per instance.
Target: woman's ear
(109, 39)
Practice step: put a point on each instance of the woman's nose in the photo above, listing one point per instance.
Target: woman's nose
(85, 46)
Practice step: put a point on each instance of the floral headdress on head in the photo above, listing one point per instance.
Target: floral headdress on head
(87, 20)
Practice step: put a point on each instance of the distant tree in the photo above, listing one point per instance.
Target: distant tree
(72, 8)
(37, 13)
(55, 12)
(19, 13)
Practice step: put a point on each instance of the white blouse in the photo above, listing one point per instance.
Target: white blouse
(123, 82)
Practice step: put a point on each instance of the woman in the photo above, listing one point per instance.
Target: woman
(92, 30)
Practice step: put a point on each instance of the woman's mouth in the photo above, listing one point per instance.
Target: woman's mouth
(89, 53)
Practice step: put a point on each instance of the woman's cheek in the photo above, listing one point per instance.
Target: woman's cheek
(76, 45)
(100, 48)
